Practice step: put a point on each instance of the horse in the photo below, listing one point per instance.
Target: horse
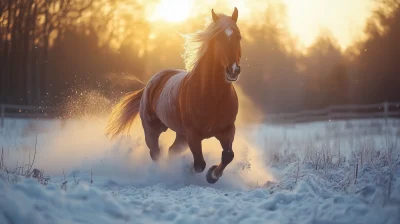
(197, 103)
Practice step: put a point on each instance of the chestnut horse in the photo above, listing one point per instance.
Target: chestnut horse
(197, 104)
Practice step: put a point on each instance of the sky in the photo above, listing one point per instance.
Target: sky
(344, 19)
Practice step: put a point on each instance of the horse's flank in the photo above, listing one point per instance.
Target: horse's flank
(161, 98)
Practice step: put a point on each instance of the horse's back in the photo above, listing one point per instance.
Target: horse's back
(162, 98)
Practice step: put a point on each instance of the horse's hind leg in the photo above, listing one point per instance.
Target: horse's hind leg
(180, 144)
(151, 138)
(152, 132)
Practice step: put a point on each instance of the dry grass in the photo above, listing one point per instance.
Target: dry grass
(24, 171)
(348, 162)
(2, 159)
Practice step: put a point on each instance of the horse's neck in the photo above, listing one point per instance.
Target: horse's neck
(208, 78)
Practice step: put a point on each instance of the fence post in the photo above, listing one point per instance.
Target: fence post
(386, 111)
(386, 107)
(2, 114)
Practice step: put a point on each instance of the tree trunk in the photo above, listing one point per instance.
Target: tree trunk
(42, 76)
(27, 53)
(31, 52)
(20, 57)
(6, 69)
(12, 57)
(2, 40)
(47, 30)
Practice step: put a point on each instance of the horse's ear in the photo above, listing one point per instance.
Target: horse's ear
(214, 16)
(235, 15)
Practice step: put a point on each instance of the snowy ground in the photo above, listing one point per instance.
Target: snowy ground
(334, 172)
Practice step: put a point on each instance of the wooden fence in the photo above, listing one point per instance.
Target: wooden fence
(337, 112)
(22, 111)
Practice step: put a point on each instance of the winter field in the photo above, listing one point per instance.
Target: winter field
(323, 172)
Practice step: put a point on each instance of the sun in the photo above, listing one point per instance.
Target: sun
(172, 10)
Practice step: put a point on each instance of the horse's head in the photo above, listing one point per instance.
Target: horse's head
(227, 45)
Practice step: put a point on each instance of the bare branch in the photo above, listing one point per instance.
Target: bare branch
(34, 155)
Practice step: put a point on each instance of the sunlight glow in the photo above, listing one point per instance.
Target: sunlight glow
(306, 19)
(172, 10)
(344, 20)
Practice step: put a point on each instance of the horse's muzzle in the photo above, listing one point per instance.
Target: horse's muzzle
(232, 72)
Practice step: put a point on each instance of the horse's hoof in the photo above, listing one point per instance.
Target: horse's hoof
(192, 170)
(154, 156)
(209, 175)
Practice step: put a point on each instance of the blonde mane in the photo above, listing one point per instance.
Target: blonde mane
(196, 44)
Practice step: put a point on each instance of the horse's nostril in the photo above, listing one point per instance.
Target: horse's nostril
(238, 69)
(227, 70)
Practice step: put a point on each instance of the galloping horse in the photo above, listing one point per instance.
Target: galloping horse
(197, 104)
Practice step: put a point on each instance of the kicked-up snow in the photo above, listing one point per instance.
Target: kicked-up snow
(301, 174)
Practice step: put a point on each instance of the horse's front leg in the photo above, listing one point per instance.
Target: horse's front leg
(194, 143)
(226, 139)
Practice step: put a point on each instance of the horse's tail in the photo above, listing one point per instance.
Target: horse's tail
(124, 113)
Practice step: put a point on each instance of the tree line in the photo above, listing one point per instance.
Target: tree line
(281, 79)
(47, 47)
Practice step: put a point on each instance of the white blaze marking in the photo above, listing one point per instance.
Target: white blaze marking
(234, 66)
(228, 31)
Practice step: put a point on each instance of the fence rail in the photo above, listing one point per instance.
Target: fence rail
(336, 112)
(339, 112)
(24, 111)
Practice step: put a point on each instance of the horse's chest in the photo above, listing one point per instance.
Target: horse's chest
(213, 116)
(217, 111)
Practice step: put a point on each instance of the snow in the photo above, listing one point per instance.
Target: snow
(292, 174)
(111, 202)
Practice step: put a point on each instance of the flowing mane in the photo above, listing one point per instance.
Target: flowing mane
(197, 43)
